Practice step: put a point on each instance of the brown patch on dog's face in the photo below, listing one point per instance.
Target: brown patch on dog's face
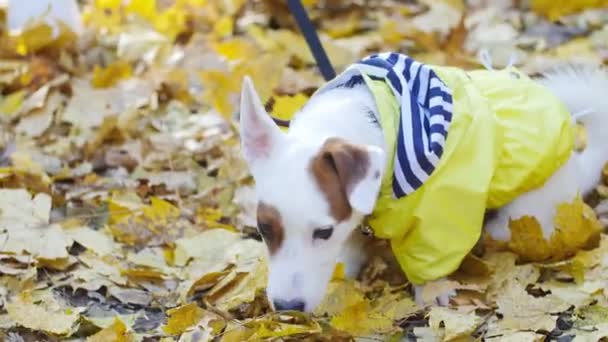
(270, 226)
(338, 167)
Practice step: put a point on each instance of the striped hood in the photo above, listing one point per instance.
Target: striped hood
(425, 114)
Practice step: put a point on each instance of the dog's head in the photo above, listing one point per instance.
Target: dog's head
(311, 195)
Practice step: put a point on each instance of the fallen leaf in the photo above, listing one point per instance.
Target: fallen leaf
(117, 332)
(576, 228)
(112, 74)
(453, 324)
(285, 107)
(209, 246)
(522, 336)
(521, 311)
(351, 312)
(556, 9)
(526, 232)
(244, 291)
(91, 239)
(43, 313)
(182, 318)
(12, 103)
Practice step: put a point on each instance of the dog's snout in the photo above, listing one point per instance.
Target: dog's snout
(295, 304)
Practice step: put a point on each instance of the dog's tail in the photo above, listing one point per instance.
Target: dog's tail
(584, 91)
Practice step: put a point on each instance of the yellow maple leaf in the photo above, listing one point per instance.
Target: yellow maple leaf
(40, 35)
(172, 21)
(340, 295)
(294, 45)
(104, 14)
(527, 240)
(144, 8)
(236, 48)
(12, 102)
(222, 88)
(182, 318)
(286, 106)
(218, 86)
(352, 319)
(576, 228)
(389, 31)
(34, 38)
(108, 4)
(132, 222)
(160, 210)
(353, 313)
(211, 218)
(223, 27)
(338, 273)
(116, 332)
(259, 35)
(112, 74)
(266, 71)
(122, 204)
(343, 26)
(554, 9)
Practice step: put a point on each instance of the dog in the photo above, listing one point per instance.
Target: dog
(333, 170)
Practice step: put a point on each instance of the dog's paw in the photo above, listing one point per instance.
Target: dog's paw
(434, 293)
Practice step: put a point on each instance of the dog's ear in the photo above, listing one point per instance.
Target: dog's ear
(359, 171)
(259, 134)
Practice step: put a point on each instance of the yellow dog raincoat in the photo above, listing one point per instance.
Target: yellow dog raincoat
(487, 136)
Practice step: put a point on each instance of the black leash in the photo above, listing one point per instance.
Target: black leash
(312, 39)
(314, 44)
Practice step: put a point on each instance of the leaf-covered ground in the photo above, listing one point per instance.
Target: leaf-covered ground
(127, 214)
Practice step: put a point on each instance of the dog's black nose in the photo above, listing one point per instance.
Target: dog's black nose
(295, 304)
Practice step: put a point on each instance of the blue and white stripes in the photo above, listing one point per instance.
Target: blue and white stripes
(426, 114)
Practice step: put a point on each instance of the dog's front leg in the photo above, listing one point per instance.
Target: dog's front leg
(354, 254)
(441, 299)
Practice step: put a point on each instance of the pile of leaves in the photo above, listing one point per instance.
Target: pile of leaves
(127, 213)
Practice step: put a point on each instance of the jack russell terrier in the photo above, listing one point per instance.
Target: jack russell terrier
(419, 153)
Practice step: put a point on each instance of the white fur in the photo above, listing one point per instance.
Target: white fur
(363, 196)
(302, 267)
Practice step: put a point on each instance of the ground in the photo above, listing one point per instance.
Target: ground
(127, 213)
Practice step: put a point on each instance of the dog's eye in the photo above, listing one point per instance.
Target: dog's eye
(265, 230)
(323, 233)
